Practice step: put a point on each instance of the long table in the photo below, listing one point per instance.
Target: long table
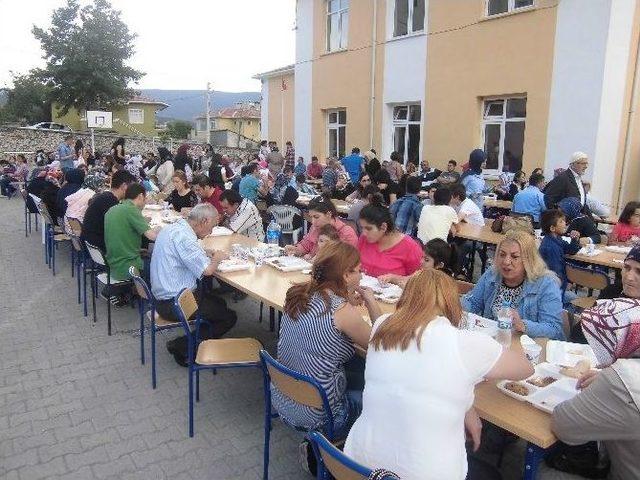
(270, 286)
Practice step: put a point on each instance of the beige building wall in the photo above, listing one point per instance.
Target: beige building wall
(281, 127)
(248, 127)
(471, 57)
(343, 79)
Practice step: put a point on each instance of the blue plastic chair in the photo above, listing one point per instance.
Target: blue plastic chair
(332, 460)
(53, 235)
(210, 354)
(301, 389)
(147, 309)
(29, 210)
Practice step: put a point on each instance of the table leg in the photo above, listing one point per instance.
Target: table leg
(473, 260)
(532, 461)
(483, 258)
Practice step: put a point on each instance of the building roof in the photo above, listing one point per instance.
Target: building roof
(147, 101)
(239, 110)
(276, 73)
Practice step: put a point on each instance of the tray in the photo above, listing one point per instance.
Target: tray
(220, 232)
(233, 265)
(288, 264)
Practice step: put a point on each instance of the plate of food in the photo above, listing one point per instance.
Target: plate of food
(288, 264)
(388, 297)
(219, 231)
(483, 325)
(546, 399)
(153, 207)
(388, 290)
(519, 390)
(233, 265)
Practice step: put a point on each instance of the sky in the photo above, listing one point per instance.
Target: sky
(181, 44)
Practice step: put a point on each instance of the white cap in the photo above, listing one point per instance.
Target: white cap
(577, 156)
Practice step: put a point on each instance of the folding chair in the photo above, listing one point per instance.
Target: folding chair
(332, 460)
(30, 209)
(297, 387)
(284, 215)
(590, 279)
(53, 236)
(103, 277)
(156, 322)
(210, 354)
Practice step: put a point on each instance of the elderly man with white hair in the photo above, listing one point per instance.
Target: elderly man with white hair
(178, 261)
(569, 182)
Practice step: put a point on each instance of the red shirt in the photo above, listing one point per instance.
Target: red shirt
(309, 243)
(314, 170)
(623, 232)
(214, 200)
(404, 258)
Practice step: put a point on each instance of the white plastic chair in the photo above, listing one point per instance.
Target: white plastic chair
(284, 214)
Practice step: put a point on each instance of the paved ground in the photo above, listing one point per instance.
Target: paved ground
(77, 404)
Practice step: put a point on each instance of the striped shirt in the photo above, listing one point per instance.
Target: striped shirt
(313, 346)
(247, 220)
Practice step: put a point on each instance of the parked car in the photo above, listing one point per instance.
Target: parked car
(49, 126)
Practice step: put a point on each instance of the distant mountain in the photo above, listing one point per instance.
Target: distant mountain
(187, 104)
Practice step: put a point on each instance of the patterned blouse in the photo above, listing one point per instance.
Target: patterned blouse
(312, 345)
(511, 296)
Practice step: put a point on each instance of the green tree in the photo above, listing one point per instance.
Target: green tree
(28, 100)
(178, 129)
(86, 50)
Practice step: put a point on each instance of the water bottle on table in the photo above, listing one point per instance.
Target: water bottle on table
(273, 233)
(505, 322)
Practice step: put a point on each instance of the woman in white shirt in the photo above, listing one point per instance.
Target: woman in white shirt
(419, 382)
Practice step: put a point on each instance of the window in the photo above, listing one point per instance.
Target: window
(136, 116)
(409, 17)
(337, 24)
(406, 132)
(336, 132)
(503, 131)
(496, 7)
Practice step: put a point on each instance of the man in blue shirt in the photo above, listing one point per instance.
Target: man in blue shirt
(66, 155)
(353, 164)
(531, 199)
(250, 184)
(406, 210)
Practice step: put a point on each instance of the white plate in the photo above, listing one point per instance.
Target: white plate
(532, 389)
(288, 264)
(618, 249)
(153, 207)
(233, 265)
(483, 325)
(546, 399)
(568, 354)
(388, 290)
(220, 231)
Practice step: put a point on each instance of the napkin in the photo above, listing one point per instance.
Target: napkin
(585, 252)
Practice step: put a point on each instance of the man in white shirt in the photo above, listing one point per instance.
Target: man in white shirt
(439, 219)
(466, 208)
(241, 215)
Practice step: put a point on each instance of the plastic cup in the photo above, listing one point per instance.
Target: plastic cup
(532, 352)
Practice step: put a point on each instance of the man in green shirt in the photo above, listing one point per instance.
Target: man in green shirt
(124, 227)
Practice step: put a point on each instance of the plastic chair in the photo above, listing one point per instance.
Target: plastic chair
(340, 466)
(210, 354)
(300, 388)
(590, 279)
(52, 237)
(30, 208)
(103, 277)
(284, 215)
(156, 322)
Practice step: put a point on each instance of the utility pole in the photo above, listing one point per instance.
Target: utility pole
(208, 103)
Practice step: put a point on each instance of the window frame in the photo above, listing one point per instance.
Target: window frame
(502, 121)
(141, 111)
(406, 123)
(410, 30)
(336, 126)
(341, 13)
(511, 8)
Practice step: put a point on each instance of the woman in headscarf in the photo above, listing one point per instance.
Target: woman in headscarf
(78, 202)
(578, 221)
(165, 170)
(608, 407)
(117, 151)
(134, 167)
(182, 160)
(371, 163)
(72, 183)
(472, 178)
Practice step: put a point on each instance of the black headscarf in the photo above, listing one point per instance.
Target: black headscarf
(476, 158)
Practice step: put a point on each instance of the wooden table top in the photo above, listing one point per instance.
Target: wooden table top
(477, 233)
(504, 204)
(604, 259)
(610, 220)
(314, 181)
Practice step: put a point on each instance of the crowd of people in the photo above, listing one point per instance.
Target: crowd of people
(409, 408)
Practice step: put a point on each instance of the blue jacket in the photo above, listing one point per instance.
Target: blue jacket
(541, 310)
(353, 165)
(553, 250)
(476, 187)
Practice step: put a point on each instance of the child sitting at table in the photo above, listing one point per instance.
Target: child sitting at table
(627, 231)
(327, 233)
(437, 255)
(553, 247)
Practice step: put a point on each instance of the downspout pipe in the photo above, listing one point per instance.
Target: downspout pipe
(372, 99)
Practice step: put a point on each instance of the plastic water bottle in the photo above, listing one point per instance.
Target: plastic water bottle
(273, 233)
(504, 325)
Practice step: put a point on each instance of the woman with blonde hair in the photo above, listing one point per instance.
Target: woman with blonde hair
(520, 280)
(419, 381)
(320, 325)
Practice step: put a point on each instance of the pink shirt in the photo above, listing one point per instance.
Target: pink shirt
(309, 242)
(623, 232)
(404, 258)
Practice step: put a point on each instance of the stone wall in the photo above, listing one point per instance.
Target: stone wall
(16, 139)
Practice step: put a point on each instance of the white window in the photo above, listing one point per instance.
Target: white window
(336, 132)
(337, 24)
(503, 123)
(406, 132)
(136, 116)
(496, 7)
(409, 17)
